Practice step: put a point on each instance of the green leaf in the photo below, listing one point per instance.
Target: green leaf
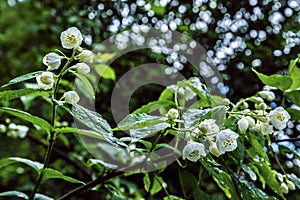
(172, 197)
(28, 117)
(218, 113)
(14, 194)
(101, 163)
(292, 177)
(104, 57)
(92, 120)
(250, 172)
(149, 130)
(38, 196)
(190, 187)
(257, 148)
(295, 114)
(193, 116)
(89, 133)
(279, 81)
(105, 71)
(166, 95)
(11, 160)
(167, 146)
(23, 78)
(155, 105)
(137, 121)
(49, 173)
(14, 94)
(294, 74)
(154, 183)
(158, 10)
(84, 85)
(249, 192)
(294, 96)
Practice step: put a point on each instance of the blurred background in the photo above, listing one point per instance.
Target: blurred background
(237, 35)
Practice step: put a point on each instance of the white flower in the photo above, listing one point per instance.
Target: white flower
(71, 97)
(209, 127)
(226, 141)
(17, 130)
(52, 61)
(265, 128)
(22, 131)
(193, 151)
(86, 56)
(2, 128)
(251, 121)
(268, 95)
(45, 80)
(81, 68)
(279, 117)
(173, 113)
(243, 124)
(71, 38)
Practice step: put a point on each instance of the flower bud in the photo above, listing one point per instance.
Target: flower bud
(290, 185)
(226, 102)
(2, 128)
(45, 80)
(173, 113)
(213, 149)
(81, 68)
(86, 56)
(262, 106)
(266, 129)
(243, 124)
(244, 105)
(52, 61)
(251, 121)
(71, 97)
(284, 188)
(268, 95)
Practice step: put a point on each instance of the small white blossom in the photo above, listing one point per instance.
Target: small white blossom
(284, 188)
(52, 61)
(45, 80)
(290, 185)
(71, 38)
(279, 117)
(251, 121)
(209, 127)
(226, 141)
(71, 97)
(86, 56)
(243, 124)
(173, 113)
(268, 95)
(264, 128)
(16, 131)
(2, 128)
(193, 151)
(81, 68)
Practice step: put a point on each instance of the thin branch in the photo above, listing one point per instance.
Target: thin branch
(287, 140)
(100, 180)
(64, 156)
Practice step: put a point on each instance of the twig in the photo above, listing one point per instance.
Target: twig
(287, 140)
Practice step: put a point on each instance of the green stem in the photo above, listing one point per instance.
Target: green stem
(51, 139)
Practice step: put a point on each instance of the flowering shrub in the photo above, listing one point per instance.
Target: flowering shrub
(229, 143)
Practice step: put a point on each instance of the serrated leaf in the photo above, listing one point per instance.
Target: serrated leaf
(23, 78)
(148, 131)
(105, 71)
(92, 120)
(155, 105)
(294, 96)
(248, 192)
(193, 116)
(279, 81)
(14, 94)
(14, 194)
(11, 160)
(28, 117)
(294, 74)
(101, 163)
(49, 173)
(138, 121)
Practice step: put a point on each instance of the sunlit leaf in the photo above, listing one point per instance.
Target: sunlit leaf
(13, 94)
(11, 160)
(49, 173)
(294, 74)
(105, 71)
(295, 114)
(14, 194)
(279, 81)
(294, 96)
(101, 163)
(23, 78)
(153, 184)
(248, 192)
(155, 105)
(28, 117)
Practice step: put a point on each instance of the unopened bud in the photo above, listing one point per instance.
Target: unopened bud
(173, 113)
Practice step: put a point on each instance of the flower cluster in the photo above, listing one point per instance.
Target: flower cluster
(70, 39)
(14, 131)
